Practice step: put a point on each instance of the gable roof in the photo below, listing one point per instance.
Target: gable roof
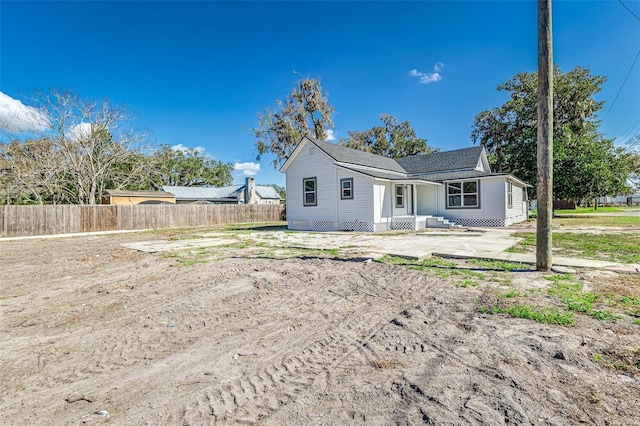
(344, 154)
(464, 163)
(459, 159)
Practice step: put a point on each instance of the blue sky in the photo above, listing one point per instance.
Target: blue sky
(195, 73)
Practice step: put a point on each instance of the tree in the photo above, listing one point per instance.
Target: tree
(188, 167)
(30, 172)
(581, 154)
(76, 147)
(306, 111)
(392, 139)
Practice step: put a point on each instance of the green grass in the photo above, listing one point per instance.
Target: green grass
(543, 315)
(629, 222)
(587, 210)
(499, 265)
(576, 299)
(467, 283)
(620, 247)
(418, 264)
(510, 294)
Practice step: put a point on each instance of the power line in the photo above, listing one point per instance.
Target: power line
(630, 11)
(625, 80)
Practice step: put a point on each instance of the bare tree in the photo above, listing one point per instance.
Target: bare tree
(89, 144)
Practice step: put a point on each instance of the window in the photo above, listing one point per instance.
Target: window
(346, 189)
(310, 191)
(509, 195)
(399, 196)
(463, 194)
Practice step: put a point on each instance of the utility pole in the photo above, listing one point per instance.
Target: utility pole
(545, 137)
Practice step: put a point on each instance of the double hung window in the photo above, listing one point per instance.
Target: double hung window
(463, 194)
(346, 189)
(310, 191)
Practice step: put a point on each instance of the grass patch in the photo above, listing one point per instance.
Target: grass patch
(418, 264)
(465, 283)
(576, 299)
(621, 247)
(629, 222)
(543, 315)
(510, 294)
(499, 265)
(587, 210)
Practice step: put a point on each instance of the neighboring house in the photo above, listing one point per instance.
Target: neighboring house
(332, 187)
(249, 193)
(632, 199)
(137, 197)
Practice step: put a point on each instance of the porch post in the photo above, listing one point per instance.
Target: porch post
(414, 204)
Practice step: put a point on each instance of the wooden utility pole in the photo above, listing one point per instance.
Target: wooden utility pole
(545, 137)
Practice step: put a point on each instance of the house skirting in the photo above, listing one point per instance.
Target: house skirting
(409, 223)
(328, 225)
(490, 222)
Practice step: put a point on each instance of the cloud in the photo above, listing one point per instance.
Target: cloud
(426, 78)
(181, 147)
(247, 169)
(17, 117)
(330, 136)
(80, 131)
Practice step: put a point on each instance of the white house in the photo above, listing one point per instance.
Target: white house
(332, 187)
(249, 193)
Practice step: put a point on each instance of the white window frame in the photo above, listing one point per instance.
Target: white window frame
(399, 196)
(509, 194)
(314, 192)
(460, 192)
(343, 190)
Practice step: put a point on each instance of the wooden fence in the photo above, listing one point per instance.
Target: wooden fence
(18, 221)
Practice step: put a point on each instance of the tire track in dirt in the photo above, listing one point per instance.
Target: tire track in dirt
(297, 371)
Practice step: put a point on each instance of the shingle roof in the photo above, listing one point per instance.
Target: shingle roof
(355, 156)
(465, 158)
(464, 174)
(375, 173)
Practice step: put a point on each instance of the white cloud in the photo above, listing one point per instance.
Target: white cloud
(247, 169)
(80, 131)
(330, 135)
(17, 117)
(426, 78)
(181, 147)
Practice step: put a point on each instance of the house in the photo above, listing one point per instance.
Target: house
(249, 193)
(137, 197)
(331, 187)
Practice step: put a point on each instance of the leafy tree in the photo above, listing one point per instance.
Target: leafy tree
(305, 111)
(188, 168)
(392, 139)
(586, 164)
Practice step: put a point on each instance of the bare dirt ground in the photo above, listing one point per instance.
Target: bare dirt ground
(96, 333)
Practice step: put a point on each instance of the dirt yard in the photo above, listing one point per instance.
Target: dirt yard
(96, 333)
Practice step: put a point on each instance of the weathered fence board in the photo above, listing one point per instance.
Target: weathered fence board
(18, 221)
